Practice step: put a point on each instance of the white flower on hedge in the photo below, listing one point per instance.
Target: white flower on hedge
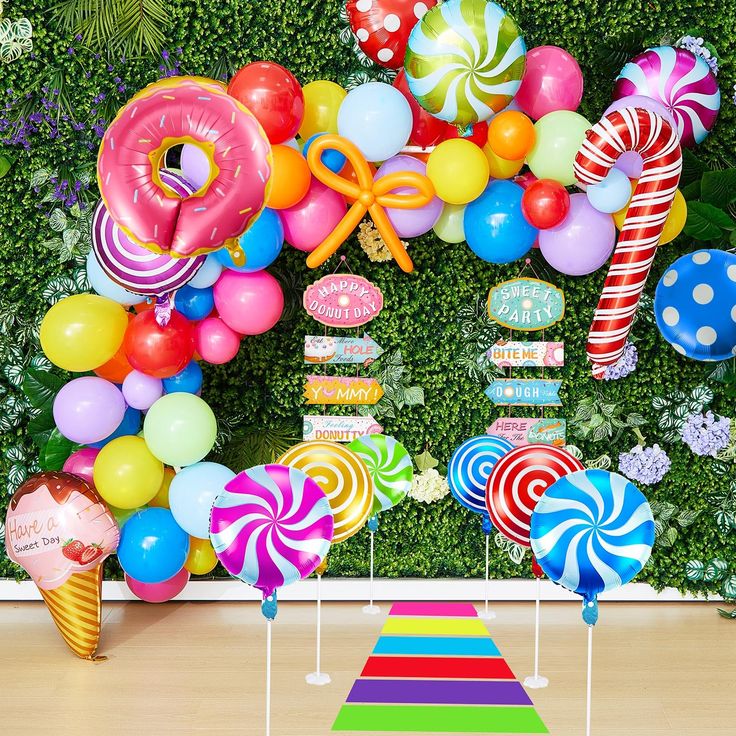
(429, 486)
(2, 532)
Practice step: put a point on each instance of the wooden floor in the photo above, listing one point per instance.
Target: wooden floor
(197, 668)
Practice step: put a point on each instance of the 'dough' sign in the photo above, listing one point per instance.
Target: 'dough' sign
(343, 300)
(526, 304)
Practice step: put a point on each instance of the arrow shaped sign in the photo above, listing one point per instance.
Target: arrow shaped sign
(342, 390)
(526, 430)
(328, 349)
(339, 429)
(509, 353)
(524, 392)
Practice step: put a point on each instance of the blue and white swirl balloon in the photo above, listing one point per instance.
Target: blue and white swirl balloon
(470, 467)
(592, 531)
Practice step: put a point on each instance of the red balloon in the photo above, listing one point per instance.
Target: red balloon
(545, 203)
(382, 27)
(427, 130)
(159, 351)
(479, 136)
(273, 95)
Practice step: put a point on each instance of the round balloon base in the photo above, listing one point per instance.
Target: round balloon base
(318, 678)
(371, 610)
(486, 615)
(535, 683)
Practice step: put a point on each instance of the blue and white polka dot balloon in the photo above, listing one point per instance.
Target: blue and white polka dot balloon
(470, 467)
(695, 305)
(592, 531)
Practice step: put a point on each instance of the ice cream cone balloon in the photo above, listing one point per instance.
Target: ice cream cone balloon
(60, 531)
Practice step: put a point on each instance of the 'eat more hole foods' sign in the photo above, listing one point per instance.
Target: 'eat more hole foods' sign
(526, 304)
(343, 300)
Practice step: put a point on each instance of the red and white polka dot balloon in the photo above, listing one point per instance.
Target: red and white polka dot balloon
(382, 27)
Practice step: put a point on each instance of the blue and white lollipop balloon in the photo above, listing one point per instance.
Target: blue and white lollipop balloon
(592, 531)
(470, 467)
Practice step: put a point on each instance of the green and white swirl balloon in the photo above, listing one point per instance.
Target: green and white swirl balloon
(389, 466)
(465, 60)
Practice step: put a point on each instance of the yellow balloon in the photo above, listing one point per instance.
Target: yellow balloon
(501, 168)
(450, 228)
(674, 223)
(322, 100)
(161, 499)
(83, 331)
(202, 558)
(126, 474)
(459, 171)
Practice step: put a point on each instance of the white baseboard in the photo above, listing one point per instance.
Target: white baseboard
(356, 589)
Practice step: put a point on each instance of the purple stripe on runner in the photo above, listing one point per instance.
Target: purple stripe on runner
(440, 692)
(464, 610)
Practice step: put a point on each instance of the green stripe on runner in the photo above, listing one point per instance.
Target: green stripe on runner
(439, 719)
(442, 626)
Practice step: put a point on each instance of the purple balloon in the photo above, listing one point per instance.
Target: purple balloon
(88, 409)
(583, 241)
(195, 165)
(410, 223)
(141, 391)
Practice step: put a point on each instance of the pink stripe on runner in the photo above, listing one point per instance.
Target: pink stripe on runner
(461, 610)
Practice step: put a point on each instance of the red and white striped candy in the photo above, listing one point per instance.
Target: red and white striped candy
(629, 129)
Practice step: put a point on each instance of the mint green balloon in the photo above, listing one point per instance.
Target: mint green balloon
(180, 429)
(558, 136)
(450, 228)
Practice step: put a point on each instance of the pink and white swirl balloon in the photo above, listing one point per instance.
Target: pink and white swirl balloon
(136, 268)
(681, 81)
(271, 526)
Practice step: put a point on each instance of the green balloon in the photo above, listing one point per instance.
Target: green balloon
(180, 429)
(122, 515)
(559, 136)
(450, 228)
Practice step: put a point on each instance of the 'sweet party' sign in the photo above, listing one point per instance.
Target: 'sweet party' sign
(526, 304)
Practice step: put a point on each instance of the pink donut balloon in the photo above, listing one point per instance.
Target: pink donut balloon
(172, 112)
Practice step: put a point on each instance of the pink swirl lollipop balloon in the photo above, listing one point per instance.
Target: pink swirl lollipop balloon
(136, 268)
(271, 526)
(681, 81)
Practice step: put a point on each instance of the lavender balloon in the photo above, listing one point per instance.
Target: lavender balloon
(410, 223)
(583, 241)
(195, 165)
(88, 409)
(142, 391)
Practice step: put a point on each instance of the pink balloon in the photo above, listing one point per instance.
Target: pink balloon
(552, 81)
(141, 391)
(249, 303)
(308, 223)
(410, 223)
(81, 463)
(215, 341)
(583, 241)
(159, 592)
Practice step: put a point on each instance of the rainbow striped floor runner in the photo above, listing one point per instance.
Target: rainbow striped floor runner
(435, 669)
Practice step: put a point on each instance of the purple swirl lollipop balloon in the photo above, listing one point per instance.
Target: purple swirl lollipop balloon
(134, 267)
(271, 526)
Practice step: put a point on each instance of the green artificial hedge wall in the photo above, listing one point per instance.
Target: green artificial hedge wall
(265, 382)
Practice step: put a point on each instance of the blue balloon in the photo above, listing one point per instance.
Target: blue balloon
(261, 242)
(192, 492)
(105, 286)
(194, 304)
(611, 194)
(591, 531)
(695, 305)
(495, 228)
(208, 273)
(332, 159)
(153, 547)
(130, 424)
(471, 465)
(187, 381)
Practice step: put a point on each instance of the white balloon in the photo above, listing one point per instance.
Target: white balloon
(105, 286)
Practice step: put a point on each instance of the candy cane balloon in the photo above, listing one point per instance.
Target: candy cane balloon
(629, 129)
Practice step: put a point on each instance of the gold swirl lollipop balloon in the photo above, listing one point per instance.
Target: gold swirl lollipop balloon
(344, 478)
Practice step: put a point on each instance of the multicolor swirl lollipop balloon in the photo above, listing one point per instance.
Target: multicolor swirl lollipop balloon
(681, 81)
(271, 526)
(389, 465)
(465, 60)
(344, 478)
(470, 467)
(592, 531)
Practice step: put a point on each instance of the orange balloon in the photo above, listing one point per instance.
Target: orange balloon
(144, 306)
(118, 366)
(511, 135)
(161, 499)
(290, 178)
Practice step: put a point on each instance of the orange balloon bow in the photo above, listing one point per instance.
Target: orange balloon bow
(367, 196)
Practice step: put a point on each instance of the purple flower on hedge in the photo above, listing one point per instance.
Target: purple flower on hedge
(706, 434)
(646, 465)
(699, 47)
(625, 365)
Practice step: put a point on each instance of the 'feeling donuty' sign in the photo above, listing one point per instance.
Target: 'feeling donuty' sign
(343, 300)
(526, 304)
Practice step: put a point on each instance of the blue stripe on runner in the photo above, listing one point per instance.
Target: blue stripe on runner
(471, 646)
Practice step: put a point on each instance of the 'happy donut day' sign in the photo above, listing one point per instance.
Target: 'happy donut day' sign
(343, 300)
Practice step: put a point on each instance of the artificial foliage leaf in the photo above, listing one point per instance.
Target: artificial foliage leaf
(686, 518)
(719, 188)
(5, 164)
(669, 537)
(425, 461)
(56, 451)
(692, 168)
(41, 387)
(695, 570)
(728, 588)
(727, 614)
(715, 570)
(706, 222)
